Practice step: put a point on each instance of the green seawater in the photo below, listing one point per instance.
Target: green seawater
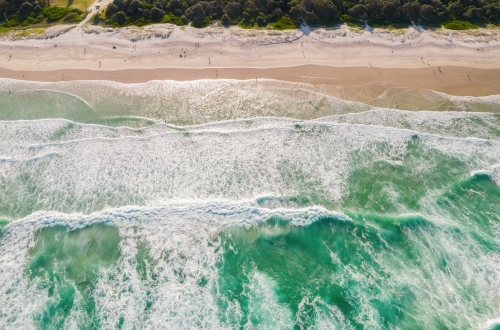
(378, 220)
(67, 265)
(378, 270)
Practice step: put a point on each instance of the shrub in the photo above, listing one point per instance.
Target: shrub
(261, 21)
(459, 25)
(71, 17)
(182, 21)
(54, 14)
(284, 23)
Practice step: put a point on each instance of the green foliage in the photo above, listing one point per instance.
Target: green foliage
(284, 23)
(277, 14)
(119, 18)
(54, 14)
(459, 25)
(28, 14)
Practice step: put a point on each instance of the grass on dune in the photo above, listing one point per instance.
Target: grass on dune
(459, 25)
(80, 4)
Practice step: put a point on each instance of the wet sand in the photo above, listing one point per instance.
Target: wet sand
(460, 81)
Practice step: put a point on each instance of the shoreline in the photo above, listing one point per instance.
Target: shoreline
(453, 80)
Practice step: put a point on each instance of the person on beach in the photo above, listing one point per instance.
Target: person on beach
(209, 61)
(99, 63)
(84, 51)
(216, 74)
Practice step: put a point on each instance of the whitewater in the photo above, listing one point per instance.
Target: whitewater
(236, 204)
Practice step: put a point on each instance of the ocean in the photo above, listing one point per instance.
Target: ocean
(247, 205)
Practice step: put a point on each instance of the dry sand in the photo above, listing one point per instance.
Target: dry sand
(469, 61)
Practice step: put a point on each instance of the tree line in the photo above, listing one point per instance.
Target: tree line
(24, 13)
(285, 12)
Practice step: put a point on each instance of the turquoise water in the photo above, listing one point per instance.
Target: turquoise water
(125, 214)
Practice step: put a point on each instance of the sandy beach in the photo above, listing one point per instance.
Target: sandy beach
(456, 63)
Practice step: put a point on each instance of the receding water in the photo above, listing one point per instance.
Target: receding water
(226, 205)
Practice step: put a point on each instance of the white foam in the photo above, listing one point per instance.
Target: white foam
(445, 123)
(268, 157)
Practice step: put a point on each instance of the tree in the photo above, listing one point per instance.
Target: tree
(325, 10)
(428, 13)
(111, 10)
(261, 21)
(120, 17)
(276, 14)
(25, 9)
(411, 11)
(358, 11)
(134, 7)
(157, 13)
(301, 14)
(233, 10)
(215, 9)
(456, 10)
(225, 20)
(195, 12)
(473, 14)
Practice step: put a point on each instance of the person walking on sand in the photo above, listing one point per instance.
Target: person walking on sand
(209, 61)
(99, 63)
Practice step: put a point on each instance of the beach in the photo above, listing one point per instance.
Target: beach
(456, 63)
